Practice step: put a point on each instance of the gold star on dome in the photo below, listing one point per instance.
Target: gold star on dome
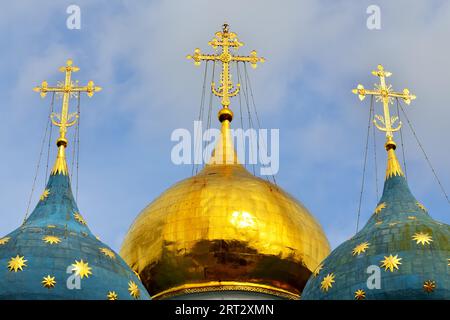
(318, 269)
(421, 206)
(360, 294)
(51, 239)
(134, 290)
(380, 207)
(17, 263)
(4, 241)
(360, 248)
(45, 194)
(108, 253)
(422, 238)
(412, 218)
(327, 282)
(429, 286)
(391, 262)
(112, 295)
(48, 282)
(82, 269)
(79, 218)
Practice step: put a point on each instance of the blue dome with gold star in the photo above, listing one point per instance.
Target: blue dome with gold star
(54, 255)
(401, 253)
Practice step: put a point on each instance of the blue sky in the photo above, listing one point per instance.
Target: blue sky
(316, 52)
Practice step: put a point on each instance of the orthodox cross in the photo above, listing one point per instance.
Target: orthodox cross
(385, 94)
(64, 119)
(226, 40)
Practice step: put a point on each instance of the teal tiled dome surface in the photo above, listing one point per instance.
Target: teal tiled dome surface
(400, 228)
(56, 216)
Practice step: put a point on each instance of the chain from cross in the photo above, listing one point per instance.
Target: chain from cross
(64, 119)
(226, 40)
(385, 94)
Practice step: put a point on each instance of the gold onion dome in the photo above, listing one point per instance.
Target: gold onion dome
(224, 230)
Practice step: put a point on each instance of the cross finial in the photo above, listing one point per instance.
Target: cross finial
(226, 40)
(64, 119)
(225, 27)
(385, 94)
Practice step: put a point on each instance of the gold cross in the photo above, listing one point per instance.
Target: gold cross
(226, 40)
(64, 119)
(385, 94)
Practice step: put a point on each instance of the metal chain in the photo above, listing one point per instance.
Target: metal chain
(365, 162)
(401, 141)
(240, 104)
(49, 142)
(424, 153)
(41, 151)
(240, 98)
(200, 115)
(244, 89)
(78, 144)
(257, 116)
(375, 155)
(208, 120)
(74, 143)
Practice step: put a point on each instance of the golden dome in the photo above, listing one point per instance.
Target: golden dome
(225, 229)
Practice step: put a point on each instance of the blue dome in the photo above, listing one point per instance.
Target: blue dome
(54, 255)
(411, 250)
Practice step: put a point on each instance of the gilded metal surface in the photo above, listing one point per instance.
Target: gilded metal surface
(215, 286)
(391, 262)
(393, 167)
(226, 40)
(224, 229)
(385, 94)
(360, 294)
(65, 119)
(224, 224)
(327, 282)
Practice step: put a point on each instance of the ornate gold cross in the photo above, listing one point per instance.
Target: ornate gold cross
(226, 90)
(385, 94)
(64, 119)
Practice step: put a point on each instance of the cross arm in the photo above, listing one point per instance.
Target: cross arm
(405, 95)
(253, 59)
(198, 57)
(218, 43)
(361, 92)
(90, 89)
(44, 88)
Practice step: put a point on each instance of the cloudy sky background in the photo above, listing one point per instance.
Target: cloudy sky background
(316, 52)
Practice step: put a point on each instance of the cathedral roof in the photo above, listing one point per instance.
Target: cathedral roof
(53, 254)
(401, 253)
(225, 231)
(39, 257)
(411, 249)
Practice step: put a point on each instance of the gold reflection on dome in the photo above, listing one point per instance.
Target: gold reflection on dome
(227, 227)
(242, 219)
